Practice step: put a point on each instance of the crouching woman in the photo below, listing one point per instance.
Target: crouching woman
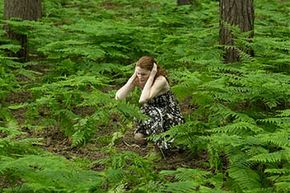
(157, 101)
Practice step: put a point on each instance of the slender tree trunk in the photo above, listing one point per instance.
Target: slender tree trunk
(25, 10)
(193, 3)
(238, 13)
(183, 2)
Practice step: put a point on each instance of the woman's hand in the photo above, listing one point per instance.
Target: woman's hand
(154, 70)
(134, 74)
(133, 77)
(128, 87)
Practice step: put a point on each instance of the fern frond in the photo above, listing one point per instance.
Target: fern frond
(13, 141)
(191, 180)
(223, 112)
(246, 178)
(279, 138)
(239, 128)
(278, 171)
(49, 173)
(284, 113)
(11, 47)
(283, 186)
(274, 157)
(11, 132)
(106, 67)
(129, 110)
(274, 120)
(185, 174)
(224, 139)
(181, 187)
(97, 98)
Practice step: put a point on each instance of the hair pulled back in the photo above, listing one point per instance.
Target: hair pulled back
(147, 63)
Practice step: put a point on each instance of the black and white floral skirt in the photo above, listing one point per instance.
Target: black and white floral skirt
(163, 112)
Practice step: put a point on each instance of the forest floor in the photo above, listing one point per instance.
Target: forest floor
(54, 141)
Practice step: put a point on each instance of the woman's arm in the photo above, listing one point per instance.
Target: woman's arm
(127, 88)
(152, 88)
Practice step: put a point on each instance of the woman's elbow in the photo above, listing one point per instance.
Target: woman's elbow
(142, 101)
(118, 96)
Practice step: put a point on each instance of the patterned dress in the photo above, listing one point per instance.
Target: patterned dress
(163, 112)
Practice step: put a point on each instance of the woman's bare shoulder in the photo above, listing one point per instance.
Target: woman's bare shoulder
(161, 78)
(162, 81)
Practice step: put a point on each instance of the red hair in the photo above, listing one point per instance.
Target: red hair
(147, 63)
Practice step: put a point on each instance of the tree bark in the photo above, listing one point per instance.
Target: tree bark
(183, 2)
(238, 13)
(24, 10)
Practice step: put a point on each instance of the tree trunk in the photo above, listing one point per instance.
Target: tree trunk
(183, 2)
(193, 3)
(239, 13)
(25, 10)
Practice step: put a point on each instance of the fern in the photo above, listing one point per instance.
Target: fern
(272, 157)
(127, 168)
(48, 173)
(183, 174)
(225, 114)
(14, 142)
(247, 179)
(277, 171)
(191, 180)
(240, 128)
(237, 114)
(279, 138)
(284, 113)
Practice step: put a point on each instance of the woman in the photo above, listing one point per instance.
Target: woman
(157, 100)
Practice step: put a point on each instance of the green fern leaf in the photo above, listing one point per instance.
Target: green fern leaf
(274, 157)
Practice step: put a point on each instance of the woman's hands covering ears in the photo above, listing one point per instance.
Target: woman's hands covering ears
(154, 70)
(128, 87)
(134, 75)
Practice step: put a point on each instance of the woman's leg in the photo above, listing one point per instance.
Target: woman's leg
(154, 124)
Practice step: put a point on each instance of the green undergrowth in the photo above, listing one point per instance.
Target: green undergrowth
(81, 52)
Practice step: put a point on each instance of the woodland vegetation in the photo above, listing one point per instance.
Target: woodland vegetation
(61, 130)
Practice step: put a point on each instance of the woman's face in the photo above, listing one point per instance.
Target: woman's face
(142, 75)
